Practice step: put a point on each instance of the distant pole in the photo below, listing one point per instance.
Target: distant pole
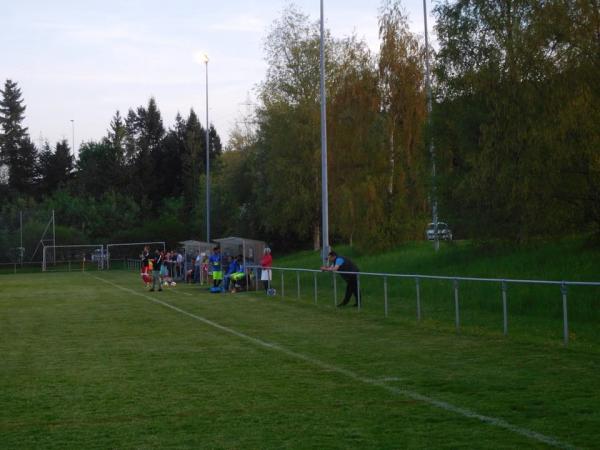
(54, 236)
(207, 159)
(324, 191)
(434, 211)
(21, 252)
(73, 135)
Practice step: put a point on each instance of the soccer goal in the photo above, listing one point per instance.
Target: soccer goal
(57, 258)
(128, 255)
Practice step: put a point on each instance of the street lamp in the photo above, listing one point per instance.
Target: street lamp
(204, 58)
(324, 191)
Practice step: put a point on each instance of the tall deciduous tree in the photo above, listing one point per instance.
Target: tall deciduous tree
(357, 154)
(401, 75)
(517, 103)
(289, 130)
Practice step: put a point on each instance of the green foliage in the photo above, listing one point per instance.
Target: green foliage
(55, 168)
(99, 169)
(514, 123)
(16, 148)
(288, 173)
(514, 126)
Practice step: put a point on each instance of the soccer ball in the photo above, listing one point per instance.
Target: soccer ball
(173, 283)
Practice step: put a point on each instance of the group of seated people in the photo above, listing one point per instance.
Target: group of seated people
(226, 271)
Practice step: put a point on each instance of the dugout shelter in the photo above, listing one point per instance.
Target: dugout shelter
(250, 249)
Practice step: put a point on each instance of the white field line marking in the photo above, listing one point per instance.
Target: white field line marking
(500, 423)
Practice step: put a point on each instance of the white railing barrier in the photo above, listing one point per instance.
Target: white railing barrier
(455, 282)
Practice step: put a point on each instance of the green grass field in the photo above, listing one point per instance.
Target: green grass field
(92, 360)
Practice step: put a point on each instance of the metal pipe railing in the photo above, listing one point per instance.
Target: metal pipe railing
(503, 282)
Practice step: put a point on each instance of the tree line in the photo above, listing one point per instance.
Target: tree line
(514, 126)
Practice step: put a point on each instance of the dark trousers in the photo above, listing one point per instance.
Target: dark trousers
(351, 289)
(156, 279)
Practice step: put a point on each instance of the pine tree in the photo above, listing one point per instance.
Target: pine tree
(17, 151)
(193, 161)
(55, 168)
(116, 135)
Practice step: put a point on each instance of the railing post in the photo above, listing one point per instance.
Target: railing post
(456, 307)
(315, 278)
(298, 283)
(417, 282)
(359, 296)
(385, 294)
(334, 289)
(282, 285)
(563, 289)
(505, 307)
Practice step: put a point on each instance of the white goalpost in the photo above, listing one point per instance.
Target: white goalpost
(127, 255)
(79, 257)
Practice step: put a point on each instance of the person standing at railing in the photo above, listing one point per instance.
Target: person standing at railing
(344, 264)
(266, 263)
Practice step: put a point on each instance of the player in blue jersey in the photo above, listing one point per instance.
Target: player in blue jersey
(215, 263)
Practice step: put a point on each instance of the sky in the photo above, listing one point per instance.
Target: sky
(78, 62)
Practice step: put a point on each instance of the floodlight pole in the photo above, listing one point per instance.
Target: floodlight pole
(73, 135)
(324, 191)
(207, 159)
(434, 206)
(54, 235)
(21, 252)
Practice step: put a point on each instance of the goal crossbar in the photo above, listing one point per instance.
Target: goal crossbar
(53, 248)
(130, 244)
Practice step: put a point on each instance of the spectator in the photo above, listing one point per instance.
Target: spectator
(215, 264)
(197, 262)
(266, 263)
(344, 264)
(238, 274)
(157, 263)
(179, 265)
(204, 269)
(145, 257)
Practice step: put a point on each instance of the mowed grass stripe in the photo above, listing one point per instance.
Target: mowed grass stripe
(373, 382)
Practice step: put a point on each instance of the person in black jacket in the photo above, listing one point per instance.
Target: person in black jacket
(344, 264)
(157, 263)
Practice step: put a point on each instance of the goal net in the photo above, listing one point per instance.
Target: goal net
(73, 257)
(128, 255)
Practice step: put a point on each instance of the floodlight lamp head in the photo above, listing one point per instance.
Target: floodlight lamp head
(201, 57)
